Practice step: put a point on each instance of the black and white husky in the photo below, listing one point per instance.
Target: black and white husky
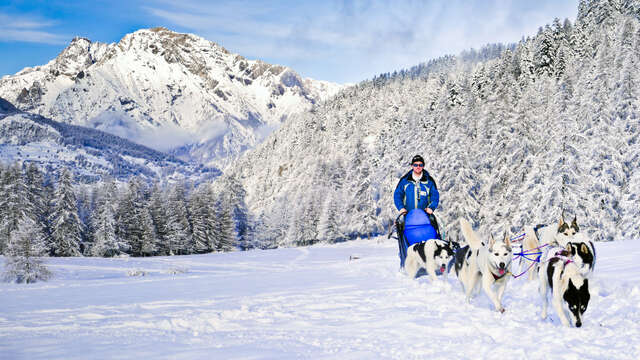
(432, 255)
(567, 236)
(569, 289)
(489, 265)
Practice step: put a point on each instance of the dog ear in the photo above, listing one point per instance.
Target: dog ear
(584, 248)
(491, 241)
(569, 248)
(574, 223)
(561, 222)
(507, 238)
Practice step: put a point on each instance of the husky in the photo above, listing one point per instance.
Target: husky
(432, 255)
(490, 265)
(583, 253)
(559, 236)
(569, 288)
(565, 235)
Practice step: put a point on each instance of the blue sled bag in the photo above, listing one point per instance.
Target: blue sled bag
(418, 228)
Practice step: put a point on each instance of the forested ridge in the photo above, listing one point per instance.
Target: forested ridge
(548, 126)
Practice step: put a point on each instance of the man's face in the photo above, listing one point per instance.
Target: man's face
(417, 167)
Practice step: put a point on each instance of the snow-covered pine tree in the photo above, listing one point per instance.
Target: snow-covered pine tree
(226, 235)
(86, 205)
(239, 213)
(328, 224)
(148, 235)
(135, 224)
(177, 231)
(14, 202)
(23, 263)
(157, 210)
(34, 180)
(105, 241)
(201, 205)
(66, 228)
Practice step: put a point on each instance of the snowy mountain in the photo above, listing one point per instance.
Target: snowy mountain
(167, 90)
(91, 154)
(309, 303)
(549, 126)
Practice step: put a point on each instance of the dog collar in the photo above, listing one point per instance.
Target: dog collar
(498, 277)
(560, 256)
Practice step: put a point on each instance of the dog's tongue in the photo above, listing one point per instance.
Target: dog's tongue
(442, 269)
(501, 271)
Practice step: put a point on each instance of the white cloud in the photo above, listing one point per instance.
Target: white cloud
(353, 40)
(162, 138)
(25, 29)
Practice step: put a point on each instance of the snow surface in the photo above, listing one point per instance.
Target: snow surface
(308, 302)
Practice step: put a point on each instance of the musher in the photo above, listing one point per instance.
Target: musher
(415, 190)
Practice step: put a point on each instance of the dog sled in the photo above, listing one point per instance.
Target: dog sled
(418, 227)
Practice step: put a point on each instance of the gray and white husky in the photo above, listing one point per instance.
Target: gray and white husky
(489, 265)
(564, 235)
(432, 255)
(569, 289)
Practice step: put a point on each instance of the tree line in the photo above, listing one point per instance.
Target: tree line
(52, 215)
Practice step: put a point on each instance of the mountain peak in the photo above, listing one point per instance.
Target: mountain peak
(157, 80)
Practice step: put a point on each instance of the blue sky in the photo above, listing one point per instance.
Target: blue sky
(341, 41)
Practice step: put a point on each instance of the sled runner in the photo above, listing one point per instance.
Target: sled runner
(417, 228)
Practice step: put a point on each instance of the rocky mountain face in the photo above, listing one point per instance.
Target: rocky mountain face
(174, 92)
(92, 155)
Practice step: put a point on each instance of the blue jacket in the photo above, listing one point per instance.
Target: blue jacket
(410, 195)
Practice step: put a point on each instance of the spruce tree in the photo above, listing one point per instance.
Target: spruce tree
(105, 241)
(26, 246)
(157, 209)
(14, 202)
(148, 235)
(201, 208)
(66, 228)
(226, 235)
(178, 232)
(328, 224)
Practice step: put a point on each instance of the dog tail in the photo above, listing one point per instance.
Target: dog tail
(469, 235)
(530, 240)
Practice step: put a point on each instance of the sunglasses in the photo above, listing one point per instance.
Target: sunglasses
(417, 165)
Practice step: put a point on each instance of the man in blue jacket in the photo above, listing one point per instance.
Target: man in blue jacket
(415, 190)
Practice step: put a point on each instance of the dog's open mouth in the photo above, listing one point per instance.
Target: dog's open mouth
(501, 271)
(443, 269)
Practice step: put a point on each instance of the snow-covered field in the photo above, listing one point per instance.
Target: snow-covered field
(311, 303)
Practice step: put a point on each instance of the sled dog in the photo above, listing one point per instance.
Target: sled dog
(569, 289)
(478, 263)
(554, 236)
(430, 255)
(581, 248)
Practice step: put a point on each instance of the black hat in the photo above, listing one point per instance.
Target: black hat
(416, 159)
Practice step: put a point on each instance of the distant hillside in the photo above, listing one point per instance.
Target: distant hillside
(91, 154)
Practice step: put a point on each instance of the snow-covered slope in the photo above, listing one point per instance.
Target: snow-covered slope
(549, 126)
(166, 90)
(305, 303)
(90, 154)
